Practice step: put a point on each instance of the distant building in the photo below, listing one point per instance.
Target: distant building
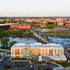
(53, 51)
(66, 21)
(61, 23)
(4, 26)
(14, 26)
(17, 26)
(59, 19)
(67, 25)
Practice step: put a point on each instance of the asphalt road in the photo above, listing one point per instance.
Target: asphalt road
(26, 65)
(3, 62)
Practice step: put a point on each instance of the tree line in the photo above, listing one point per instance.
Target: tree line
(6, 44)
(16, 33)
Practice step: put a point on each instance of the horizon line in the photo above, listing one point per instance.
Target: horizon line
(34, 16)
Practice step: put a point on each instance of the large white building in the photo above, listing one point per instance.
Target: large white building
(51, 50)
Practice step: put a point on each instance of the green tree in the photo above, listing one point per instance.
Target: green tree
(4, 42)
(12, 43)
(51, 26)
(37, 25)
(31, 56)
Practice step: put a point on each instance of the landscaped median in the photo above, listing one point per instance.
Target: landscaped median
(4, 51)
(11, 67)
(18, 59)
(21, 59)
(65, 64)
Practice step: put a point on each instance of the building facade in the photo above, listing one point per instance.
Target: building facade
(16, 26)
(51, 50)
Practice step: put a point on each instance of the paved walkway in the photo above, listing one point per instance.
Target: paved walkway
(67, 68)
(4, 50)
(58, 68)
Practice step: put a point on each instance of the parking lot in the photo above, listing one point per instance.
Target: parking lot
(24, 65)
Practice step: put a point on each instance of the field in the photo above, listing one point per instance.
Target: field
(62, 33)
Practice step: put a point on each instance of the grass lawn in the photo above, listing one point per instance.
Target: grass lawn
(43, 69)
(65, 33)
(18, 58)
(65, 64)
(2, 51)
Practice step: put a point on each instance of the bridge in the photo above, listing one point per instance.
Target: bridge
(40, 36)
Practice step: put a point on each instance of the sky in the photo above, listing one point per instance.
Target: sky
(35, 8)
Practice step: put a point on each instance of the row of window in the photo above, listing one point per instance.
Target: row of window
(44, 52)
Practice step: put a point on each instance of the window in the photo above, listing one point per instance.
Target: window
(17, 51)
(12, 50)
(26, 52)
(12, 53)
(50, 51)
(21, 51)
(17, 56)
(46, 51)
(61, 51)
(55, 51)
(58, 51)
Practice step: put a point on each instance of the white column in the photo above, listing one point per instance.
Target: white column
(41, 51)
(14, 53)
(53, 51)
(57, 51)
(48, 51)
(62, 51)
(20, 53)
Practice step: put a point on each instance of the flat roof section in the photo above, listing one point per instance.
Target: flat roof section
(19, 45)
(37, 45)
(48, 45)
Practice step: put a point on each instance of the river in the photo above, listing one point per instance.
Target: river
(22, 40)
(65, 41)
